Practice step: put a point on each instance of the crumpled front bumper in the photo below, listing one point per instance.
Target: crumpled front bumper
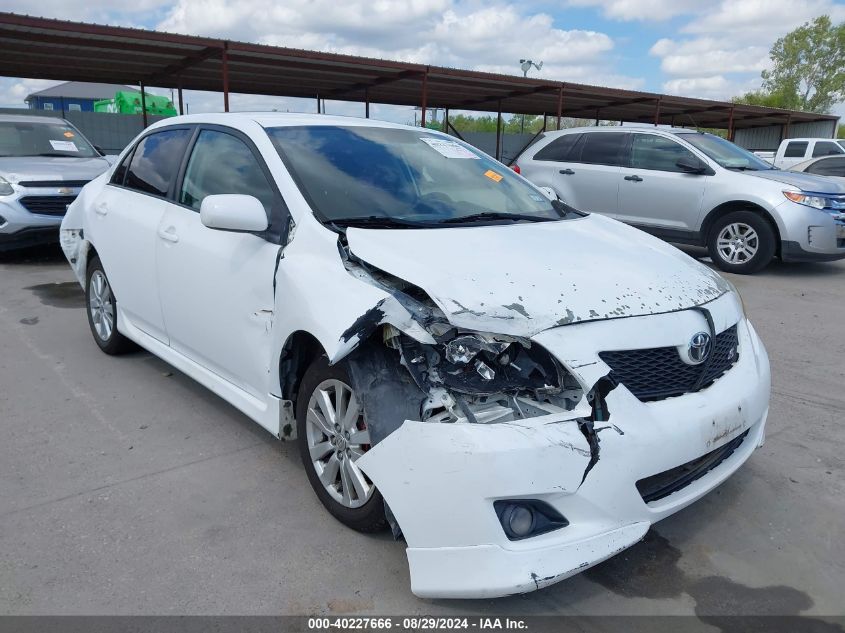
(440, 480)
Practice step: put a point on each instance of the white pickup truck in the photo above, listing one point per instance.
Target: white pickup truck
(796, 150)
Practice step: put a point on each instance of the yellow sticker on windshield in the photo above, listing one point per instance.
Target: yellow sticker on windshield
(68, 134)
(492, 175)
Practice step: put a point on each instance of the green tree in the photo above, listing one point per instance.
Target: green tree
(783, 98)
(809, 63)
(840, 133)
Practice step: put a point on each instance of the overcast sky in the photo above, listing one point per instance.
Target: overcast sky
(693, 48)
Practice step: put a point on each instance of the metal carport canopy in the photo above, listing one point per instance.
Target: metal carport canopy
(44, 48)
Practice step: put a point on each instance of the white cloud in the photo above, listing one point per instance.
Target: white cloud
(443, 32)
(705, 56)
(641, 10)
(721, 52)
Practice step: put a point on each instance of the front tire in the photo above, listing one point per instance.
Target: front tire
(333, 434)
(102, 311)
(742, 242)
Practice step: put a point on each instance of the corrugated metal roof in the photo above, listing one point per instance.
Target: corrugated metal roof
(58, 49)
(80, 90)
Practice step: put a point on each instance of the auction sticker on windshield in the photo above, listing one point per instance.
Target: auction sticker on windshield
(64, 146)
(449, 149)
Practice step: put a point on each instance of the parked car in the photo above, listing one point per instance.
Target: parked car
(832, 166)
(693, 188)
(796, 150)
(518, 388)
(44, 162)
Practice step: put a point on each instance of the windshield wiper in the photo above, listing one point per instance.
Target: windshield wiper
(494, 215)
(565, 210)
(378, 221)
(55, 155)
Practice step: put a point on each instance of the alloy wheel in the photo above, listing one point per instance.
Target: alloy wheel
(100, 306)
(336, 436)
(737, 243)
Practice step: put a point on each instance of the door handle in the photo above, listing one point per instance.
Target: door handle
(101, 208)
(566, 172)
(169, 234)
(634, 178)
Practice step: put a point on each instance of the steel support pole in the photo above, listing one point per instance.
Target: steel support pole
(785, 129)
(657, 112)
(598, 110)
(366, 103)
(559, 104)
(731, 125)
(424, 98)
(446, 120)
(181, 110)
(499, 131)
(226, 77)
(143, 105)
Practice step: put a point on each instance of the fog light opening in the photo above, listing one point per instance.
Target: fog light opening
(524, 518)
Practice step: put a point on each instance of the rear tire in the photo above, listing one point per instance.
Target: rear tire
(332, 432)
(101, 307)
(742, 242)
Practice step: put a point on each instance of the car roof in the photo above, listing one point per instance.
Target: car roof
(29, 118)
(677, 131)
(279, 119)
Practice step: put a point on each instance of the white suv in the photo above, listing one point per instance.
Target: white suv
(518, 388)
(693, 188)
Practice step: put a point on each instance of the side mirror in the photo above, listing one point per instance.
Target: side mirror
(548, 192)
(691, 165)
(233, 212)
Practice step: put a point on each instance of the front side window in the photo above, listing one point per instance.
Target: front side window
(727, 154)
(795, 149)
(828, 167)
(156, 161)
(604, 148)
(50, 138)
(649, 151)
(826, 148)
(403, 177)
(221, 163)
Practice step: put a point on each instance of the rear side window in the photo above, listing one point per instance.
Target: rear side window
(828, 167)
(221, 163)
(827, 148)
(559, 149)
(119, 174)
(795, 149)
(604, 148)
(156, 161)
(649, 151)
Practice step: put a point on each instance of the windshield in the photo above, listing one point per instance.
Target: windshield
(400, 177)
(51, 138)
(727, 154)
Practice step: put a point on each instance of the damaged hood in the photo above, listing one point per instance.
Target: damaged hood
(521, 279)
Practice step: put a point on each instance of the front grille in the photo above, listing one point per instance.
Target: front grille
(659, 372)
(664, 484)
(53, 183)
(47, 205)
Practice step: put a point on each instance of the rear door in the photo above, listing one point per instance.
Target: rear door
(654, 191)
(831, 166)
(125, 224)
(216, 287)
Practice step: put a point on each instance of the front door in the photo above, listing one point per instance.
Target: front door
(216, 287)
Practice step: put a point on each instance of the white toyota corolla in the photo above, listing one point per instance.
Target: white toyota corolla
(517, 388)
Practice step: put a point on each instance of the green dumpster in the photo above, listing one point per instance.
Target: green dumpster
(129, 102)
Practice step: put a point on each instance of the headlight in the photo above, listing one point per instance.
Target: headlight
(483, 364)
(6, 188)
(816, 201)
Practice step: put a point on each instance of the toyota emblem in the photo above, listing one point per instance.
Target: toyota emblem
(699, 348)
